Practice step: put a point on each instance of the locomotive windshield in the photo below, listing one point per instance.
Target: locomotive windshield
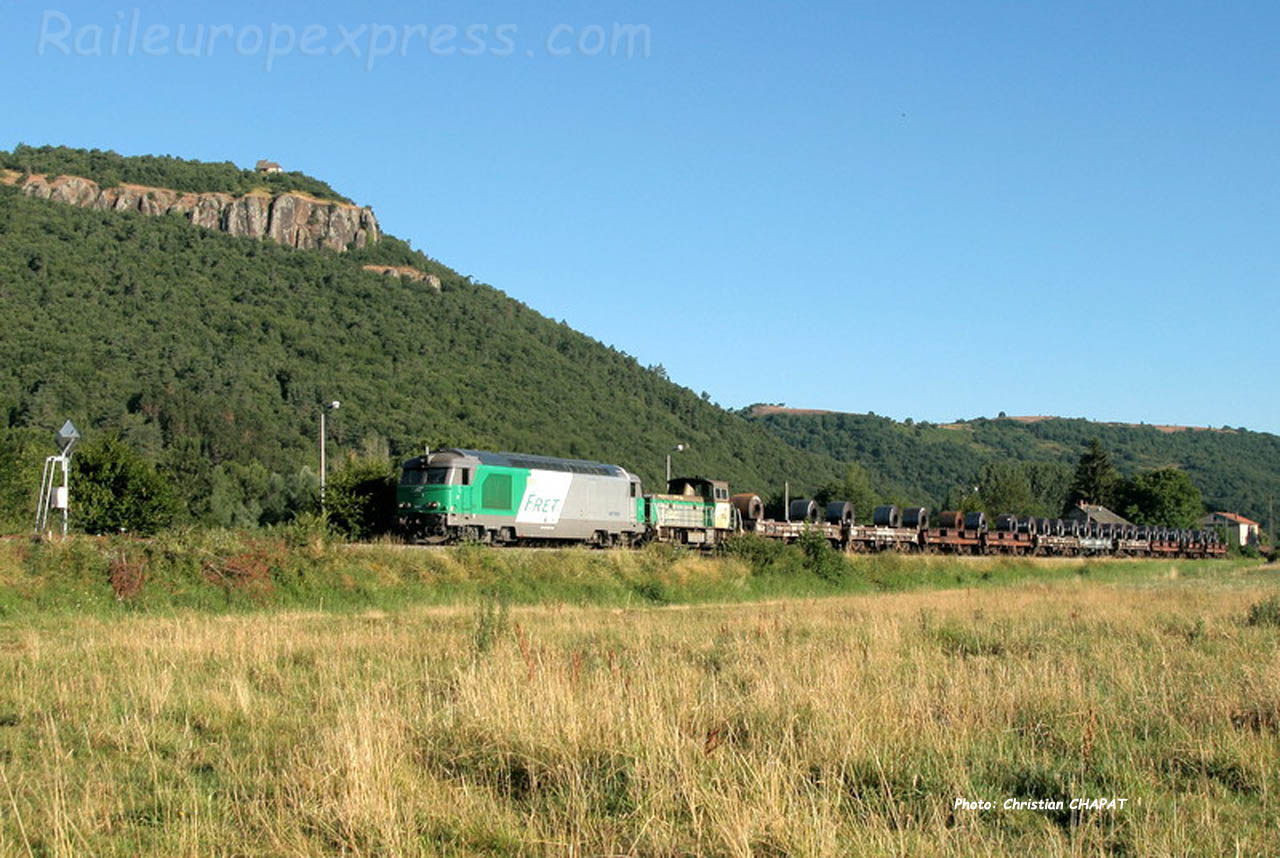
(426, 477)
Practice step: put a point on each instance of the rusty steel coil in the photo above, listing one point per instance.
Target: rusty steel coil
(915, 516)
(749, 506)
(952, 519)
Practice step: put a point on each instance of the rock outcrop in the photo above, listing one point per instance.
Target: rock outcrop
(292, 219)
(412, 273)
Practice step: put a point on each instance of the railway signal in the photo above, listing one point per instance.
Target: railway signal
(53, 496)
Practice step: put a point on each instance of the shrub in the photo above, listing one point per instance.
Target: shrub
(115, 490)
(1265, 613)
(360, 499)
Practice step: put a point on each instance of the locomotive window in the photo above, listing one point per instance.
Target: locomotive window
(437, 476)
(466, 476)
(413, 477)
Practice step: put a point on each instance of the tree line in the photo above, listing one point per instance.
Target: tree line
(1159, 496)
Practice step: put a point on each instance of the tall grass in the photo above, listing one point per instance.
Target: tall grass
(841, 726)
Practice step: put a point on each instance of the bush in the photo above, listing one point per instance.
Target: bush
(115, 490)
(1265, 613)
(820, 558)
(360, 499)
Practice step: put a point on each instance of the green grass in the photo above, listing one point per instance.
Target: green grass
(221, 571)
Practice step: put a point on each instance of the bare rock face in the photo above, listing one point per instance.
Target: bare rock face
(292, 219)
(247, 216)
(413, 274)
(208, 209)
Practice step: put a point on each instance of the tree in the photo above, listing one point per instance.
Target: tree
(856, 488)
(1050, 482)
(20, 459)
(1004, 487)
(1095, 478)
(114, 489)
(360, 499)
(1165, 496)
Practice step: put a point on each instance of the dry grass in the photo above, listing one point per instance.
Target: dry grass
(843, 726)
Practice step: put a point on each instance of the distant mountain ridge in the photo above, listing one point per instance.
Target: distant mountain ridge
(920, 462)
(762, 410)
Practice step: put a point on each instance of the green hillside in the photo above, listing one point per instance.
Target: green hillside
(211, 354)
(109, 169)
(1235, 469)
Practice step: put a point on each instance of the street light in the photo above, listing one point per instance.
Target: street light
(326, 408)
(678, 448)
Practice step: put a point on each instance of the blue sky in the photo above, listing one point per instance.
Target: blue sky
(926, 210)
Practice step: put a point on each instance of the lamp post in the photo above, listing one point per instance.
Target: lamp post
(325, 409)
(678, 448)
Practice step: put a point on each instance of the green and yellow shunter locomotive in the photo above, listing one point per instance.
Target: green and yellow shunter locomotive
(507, 498)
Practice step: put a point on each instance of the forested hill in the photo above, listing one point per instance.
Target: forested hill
(1235, 469)
(211, 354)
(109, 169)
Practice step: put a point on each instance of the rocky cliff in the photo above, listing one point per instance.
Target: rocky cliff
(292, 219)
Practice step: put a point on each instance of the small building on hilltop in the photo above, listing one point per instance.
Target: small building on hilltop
(269, 167)
(1087, 512)
(1240, 530)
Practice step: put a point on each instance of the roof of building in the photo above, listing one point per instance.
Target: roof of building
(1238, 519)
(1102, 515)
(268, 165)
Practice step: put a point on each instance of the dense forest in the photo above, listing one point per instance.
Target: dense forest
(1235, 469)
(209, 356)
(109, 169)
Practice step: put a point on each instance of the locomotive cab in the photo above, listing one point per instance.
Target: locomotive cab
(434, 487)
(694, 510)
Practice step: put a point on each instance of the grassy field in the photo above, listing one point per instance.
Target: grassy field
(842, 725)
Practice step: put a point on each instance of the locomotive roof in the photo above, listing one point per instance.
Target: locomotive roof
(526, 460)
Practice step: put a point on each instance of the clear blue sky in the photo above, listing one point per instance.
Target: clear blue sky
(927, 210)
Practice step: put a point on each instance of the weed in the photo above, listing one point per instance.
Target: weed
(491, 622)
(1265, 612)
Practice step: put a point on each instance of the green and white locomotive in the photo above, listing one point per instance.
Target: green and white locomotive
(469, 495)
(508, 498)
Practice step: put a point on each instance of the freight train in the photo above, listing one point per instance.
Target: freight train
(456, 495)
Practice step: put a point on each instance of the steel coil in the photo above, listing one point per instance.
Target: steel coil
(887, 516)
(804, 510)
(839, 512)
(916, 517)
(951, 519)
(749, 506)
